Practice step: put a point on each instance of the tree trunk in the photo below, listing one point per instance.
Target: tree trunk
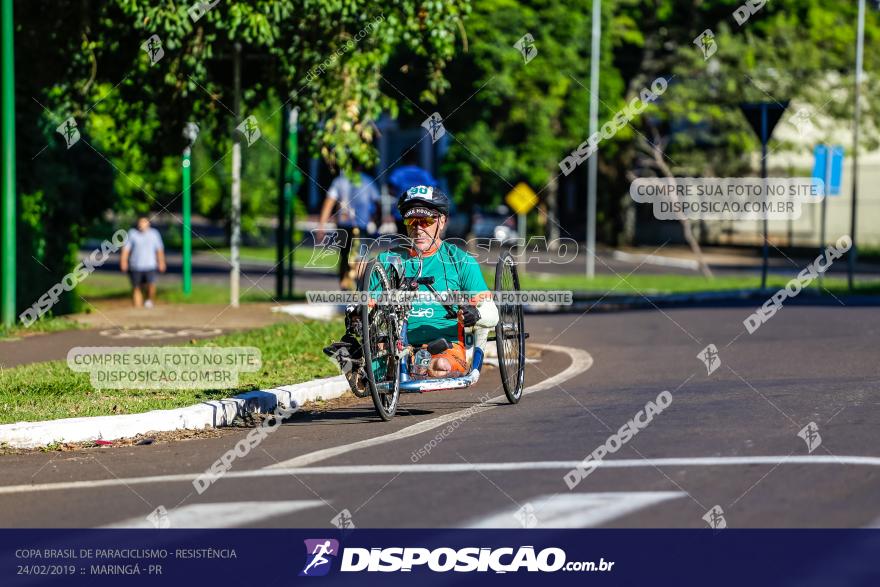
(684, 220)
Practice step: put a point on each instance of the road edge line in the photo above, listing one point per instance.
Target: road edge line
(581, 361)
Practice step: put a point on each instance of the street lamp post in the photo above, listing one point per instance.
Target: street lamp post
(235, 213)
(281, 231)
(7, 248)
(190, 132)
(293, 179)
(594, 127)
(860, 50)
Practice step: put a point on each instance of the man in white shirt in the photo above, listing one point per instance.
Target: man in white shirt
(142, 256)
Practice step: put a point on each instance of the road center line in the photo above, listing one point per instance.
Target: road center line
(783, 460)
(220, 515)
(581, 360)
(574, 510)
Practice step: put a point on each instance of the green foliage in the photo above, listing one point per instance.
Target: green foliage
(513, 121)
(84, 59)
(343, 62)
(798, 50)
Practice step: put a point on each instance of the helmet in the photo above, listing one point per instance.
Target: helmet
(423, 200)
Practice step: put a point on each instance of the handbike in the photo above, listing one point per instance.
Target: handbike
(383, 367)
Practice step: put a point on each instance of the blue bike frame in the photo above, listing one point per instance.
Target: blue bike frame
(409, 384)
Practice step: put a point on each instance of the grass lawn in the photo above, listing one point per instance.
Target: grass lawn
(291, 353)
(43, 325)
(667, 284)
(110, 286)
(302, 256)
(104, 286)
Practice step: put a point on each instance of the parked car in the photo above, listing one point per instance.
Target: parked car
(499, 225)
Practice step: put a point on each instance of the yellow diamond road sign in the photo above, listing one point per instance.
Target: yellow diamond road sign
(522, 198)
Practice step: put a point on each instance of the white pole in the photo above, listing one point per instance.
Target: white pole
(829, 151)
(235, 240)
(594, 127)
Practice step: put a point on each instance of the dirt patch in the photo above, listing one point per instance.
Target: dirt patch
(139, 440)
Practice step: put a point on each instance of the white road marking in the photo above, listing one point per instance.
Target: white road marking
(494, 361)
(574, 510)
(581, 360)
(461, 468)
(660, 260)
(222, 515)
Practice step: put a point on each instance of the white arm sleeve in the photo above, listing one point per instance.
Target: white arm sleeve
(488, 314)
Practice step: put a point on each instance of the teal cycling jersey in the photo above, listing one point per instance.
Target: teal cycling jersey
(453, 270)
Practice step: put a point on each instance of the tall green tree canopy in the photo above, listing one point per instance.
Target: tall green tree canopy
(132, 73)
(519, 120)
(344, 62)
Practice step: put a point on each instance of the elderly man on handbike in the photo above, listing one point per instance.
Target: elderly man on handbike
(442, 267)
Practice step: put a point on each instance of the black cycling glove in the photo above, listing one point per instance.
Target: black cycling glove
(470, 315)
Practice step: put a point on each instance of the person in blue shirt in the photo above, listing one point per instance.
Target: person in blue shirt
(404, 177)
(142, 256)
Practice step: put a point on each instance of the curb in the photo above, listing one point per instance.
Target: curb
(595, 302)
(313, 311)
(659, 260)
(209, 414)
(582, 301)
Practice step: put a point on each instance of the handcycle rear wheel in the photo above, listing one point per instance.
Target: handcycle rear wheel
(510, 331)
(379, 340)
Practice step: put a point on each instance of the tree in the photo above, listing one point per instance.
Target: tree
(518, 115)
(133, 73)
(799, 50)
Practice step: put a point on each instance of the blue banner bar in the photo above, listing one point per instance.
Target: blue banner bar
(167, 557)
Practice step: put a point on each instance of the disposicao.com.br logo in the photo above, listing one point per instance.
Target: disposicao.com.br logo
(444, 559)
(318, 553)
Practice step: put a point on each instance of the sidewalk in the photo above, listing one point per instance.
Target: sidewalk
(121, 314)
(117, 323)
(737, 257)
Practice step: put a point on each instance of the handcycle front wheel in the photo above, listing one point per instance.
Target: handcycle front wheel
(379, 340)
(510, 336)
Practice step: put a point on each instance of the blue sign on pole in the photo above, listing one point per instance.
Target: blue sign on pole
(819, 160)
(822, 167)
(836, 170)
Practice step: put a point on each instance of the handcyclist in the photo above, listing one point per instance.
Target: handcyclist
(425, 210)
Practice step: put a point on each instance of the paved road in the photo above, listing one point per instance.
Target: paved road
(734, 435)
(660, 260)
(256, 276)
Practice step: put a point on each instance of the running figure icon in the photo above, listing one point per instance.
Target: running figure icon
(318, 561)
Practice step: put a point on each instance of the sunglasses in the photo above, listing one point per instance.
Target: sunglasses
(421, 221)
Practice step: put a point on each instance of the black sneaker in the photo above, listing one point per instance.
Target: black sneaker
(333, 351)
(342, 353)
